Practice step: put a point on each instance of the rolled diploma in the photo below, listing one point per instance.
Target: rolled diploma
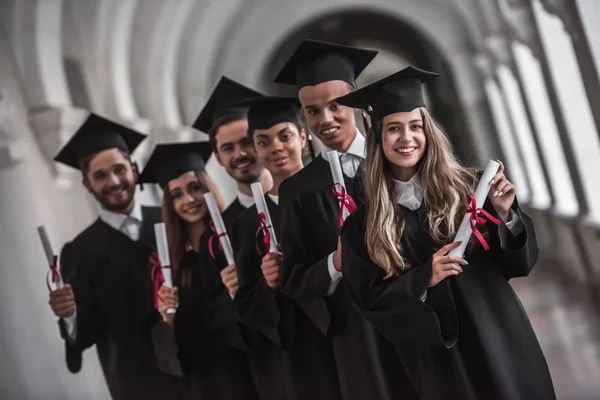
(215, 215)
(483, 187)
(261, 207)
(162, 247)
(338, 176)
(49, 253)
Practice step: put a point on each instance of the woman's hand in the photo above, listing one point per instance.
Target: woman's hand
(270, 266)
(167, 299)
(230, 279)
(502, 194)
(444, 265)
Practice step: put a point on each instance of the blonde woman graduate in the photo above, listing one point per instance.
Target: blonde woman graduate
(455, 322)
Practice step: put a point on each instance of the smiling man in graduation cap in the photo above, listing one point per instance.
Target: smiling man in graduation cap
(108, 297)
(309, 213)
(227, 127)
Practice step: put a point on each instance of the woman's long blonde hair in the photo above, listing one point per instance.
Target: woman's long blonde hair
(446, 187)
(176, 233)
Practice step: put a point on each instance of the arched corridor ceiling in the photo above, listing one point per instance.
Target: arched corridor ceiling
(151, 64)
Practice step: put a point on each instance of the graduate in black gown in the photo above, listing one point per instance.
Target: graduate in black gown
(291, 358)
(108, 299)
(227, 128)
(309, 221)
(455, 322)
(211, 345)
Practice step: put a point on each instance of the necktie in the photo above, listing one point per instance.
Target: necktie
(131, 228)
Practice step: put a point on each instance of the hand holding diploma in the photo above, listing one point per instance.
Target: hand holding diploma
(502, 194)
(218, 228)
(266, 225)
(347, 204)
(270, 267)
(53, 278)
(230, 279)
(444, 264)
(161, 272)
(474, 211)
(168, 299)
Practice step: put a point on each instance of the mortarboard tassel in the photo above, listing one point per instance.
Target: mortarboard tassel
(311, 148)
(366, 122)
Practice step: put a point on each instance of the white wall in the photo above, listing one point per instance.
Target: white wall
(32, 351)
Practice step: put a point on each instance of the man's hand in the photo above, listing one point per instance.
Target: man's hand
(337, 256)
(62, 302)
(270, 268)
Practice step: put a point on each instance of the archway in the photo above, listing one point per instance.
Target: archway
(399, 43)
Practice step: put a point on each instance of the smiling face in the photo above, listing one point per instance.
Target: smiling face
(235, 152)
(403, 142)
(187, 193)
(333, 123)
(110, 177)
(279, 148)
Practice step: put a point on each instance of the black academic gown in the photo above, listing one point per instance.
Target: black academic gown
(290, 358)
(471, 338)
(309, 215)
(231, 213)
(212, 346)
(111, 278)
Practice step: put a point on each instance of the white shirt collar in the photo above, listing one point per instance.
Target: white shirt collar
(357, 147)
(274, 198)
(115, 220)
(245, 200)
(409, 194)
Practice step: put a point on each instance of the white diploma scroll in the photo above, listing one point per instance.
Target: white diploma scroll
(57, 283)
(338, 180)
(483, 187)
(217, 219)
(162, 248)
(261, 208)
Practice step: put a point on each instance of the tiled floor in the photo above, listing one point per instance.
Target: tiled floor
(567, 323)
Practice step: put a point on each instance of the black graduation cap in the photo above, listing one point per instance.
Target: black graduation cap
(95, 135)
(316, 62)
(399, 92)
(267, 111)
(220, 102)
(171, 160)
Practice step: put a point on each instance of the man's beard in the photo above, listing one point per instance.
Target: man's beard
(122, 205)
(254, 174)
(246, 180)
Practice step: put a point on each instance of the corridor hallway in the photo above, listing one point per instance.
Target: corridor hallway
(567, 324)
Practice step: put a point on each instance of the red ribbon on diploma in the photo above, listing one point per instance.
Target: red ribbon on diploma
(157, 275)
(345, 201)
(53, 273)
(215, 235)
(266, 235)
(475, 219)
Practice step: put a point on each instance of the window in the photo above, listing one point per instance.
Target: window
(590, 18)
(514, 167)
(541, 111)
(540, 197)
(574, 104)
